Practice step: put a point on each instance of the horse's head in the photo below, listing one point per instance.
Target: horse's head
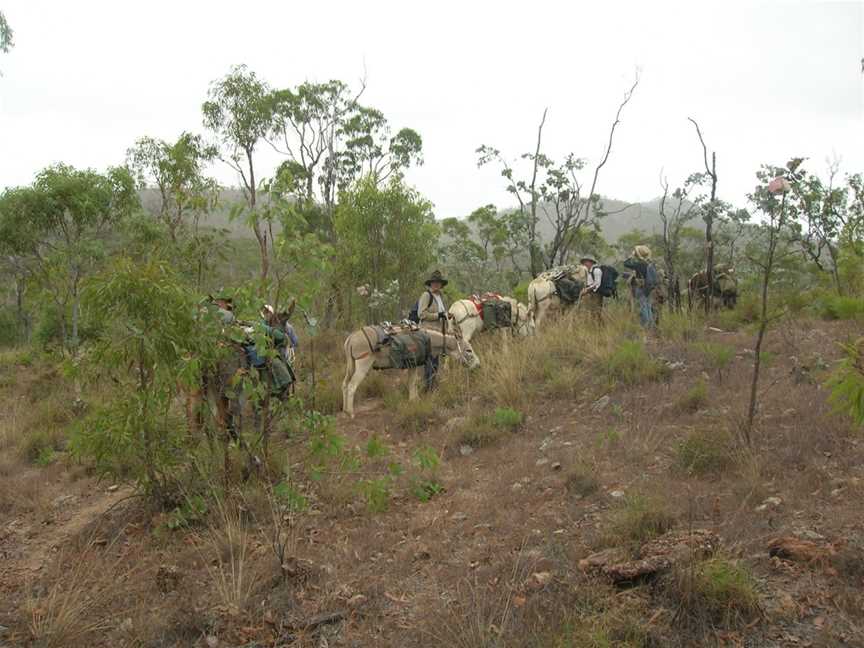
(457, 347)
(524, 322)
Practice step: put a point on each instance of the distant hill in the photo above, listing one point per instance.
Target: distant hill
(622, 217)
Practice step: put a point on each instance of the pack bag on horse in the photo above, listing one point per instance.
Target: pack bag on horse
(239, 357)
(489, 312)
(281, 322)
(555, 290)
(725, 287)
(397, 347)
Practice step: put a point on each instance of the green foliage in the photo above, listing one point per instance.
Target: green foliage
(11, 329)
(837, 307)
(847, 383)
(718, 356)
(384, 236)
(638, 519)
(376, 493)
(679, 327)
(695, 398)
(375, 448)
(157, 340)
(425, 485)
(289, 497)
(57, 227)
(507, 417)
(631, 364)
(6, 41)
(717, 590)
(704, 452)
(192, 512)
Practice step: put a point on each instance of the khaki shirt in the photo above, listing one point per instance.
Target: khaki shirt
(427, 309)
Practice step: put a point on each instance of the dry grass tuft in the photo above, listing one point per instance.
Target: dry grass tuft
(72, 610)
(705, 452)
(714, 592)
(228, 542)
(638, 519)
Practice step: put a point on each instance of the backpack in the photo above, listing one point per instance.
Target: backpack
(414, 313)
(410, 350)
(496, 314)
(651, 280)
(568, 289)
(608, 278)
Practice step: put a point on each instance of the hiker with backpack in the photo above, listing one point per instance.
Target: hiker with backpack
(645, 282)
(431, 314)
(591, 299)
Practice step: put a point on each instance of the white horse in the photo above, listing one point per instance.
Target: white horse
(364, 350)
(469, 320)
(542, 296)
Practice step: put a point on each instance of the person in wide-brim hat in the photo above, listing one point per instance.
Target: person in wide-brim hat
(436, 277)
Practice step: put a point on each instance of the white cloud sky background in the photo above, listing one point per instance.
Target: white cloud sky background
(766, 80)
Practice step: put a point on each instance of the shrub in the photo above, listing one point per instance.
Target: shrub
(425, 484)
(836, 307)
(717, 356)
(11, 329)
(508, 418)
(715, 591)
(376, 493)
(582, 482)
(704, 452)
(679, 327)
(631, 364)
(694, 398)
(37, 445)
(639, 519)
(847, 383)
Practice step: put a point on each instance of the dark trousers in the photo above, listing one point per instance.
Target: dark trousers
(430, 370)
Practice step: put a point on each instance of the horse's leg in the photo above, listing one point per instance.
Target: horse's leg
(413, 382)
(361, 369)
(349, 373)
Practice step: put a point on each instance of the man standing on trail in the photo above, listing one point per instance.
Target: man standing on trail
(433, 316)
(590, 298)
(644, 283)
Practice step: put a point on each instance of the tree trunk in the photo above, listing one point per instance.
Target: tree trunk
(763, 322)
(76, 316)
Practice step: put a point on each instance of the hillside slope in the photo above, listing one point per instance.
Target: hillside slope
(616, 449)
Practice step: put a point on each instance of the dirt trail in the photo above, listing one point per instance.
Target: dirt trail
(29, 540)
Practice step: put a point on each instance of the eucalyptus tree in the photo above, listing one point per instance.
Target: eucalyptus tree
(176, 171)
(61, 224)
(385, 234)
(553, 189)
(239, 111)
(329, 140)
(6, 34)
(773, 242)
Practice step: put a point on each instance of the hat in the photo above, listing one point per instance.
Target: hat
(588, 258)
(643, 252)
(436, 276)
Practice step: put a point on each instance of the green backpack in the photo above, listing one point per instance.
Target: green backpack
(496, 314)
(410, 350)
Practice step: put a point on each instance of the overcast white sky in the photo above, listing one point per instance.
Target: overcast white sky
(766, 80)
